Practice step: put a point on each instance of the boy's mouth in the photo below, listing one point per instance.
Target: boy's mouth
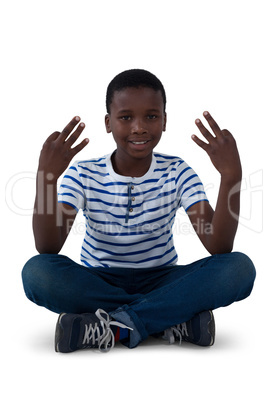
(138, 142)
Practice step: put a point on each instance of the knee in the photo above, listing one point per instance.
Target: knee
(241, 273)
(31, 269)
(243, 267)
(35, 274)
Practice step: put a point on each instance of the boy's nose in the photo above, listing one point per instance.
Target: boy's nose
(138, 128)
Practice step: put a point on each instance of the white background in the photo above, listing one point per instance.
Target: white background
(57, 58)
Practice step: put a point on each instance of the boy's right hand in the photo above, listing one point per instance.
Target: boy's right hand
(57, 153)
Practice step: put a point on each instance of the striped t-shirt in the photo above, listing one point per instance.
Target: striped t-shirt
(129, 219)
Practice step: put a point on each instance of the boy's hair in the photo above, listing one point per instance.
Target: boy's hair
(134, 78)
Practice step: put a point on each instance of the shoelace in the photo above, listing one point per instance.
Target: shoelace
(104, 340)
(178, 331)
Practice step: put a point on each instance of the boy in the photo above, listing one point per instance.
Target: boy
(129, 198)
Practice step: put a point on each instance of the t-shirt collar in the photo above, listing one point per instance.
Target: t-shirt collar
(127, 179)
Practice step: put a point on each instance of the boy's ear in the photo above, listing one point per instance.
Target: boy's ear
(165, 122)
(107, 123)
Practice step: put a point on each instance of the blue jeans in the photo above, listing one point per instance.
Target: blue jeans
(148, 300)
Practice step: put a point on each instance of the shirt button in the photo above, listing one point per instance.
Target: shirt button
(133, 198)
(130, 209)
(132, 187)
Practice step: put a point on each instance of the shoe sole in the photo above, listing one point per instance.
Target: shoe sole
(207, 326)
(59, 334)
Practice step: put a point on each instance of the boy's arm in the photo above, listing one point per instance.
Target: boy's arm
(217, 229)
(52, 221)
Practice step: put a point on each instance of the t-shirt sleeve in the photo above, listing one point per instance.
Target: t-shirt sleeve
(190, 187)
(71, 190)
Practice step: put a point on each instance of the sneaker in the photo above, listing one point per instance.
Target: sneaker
(200, 330)
(81, 331)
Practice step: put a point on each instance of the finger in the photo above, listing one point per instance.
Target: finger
(69, 128)
(227, 133)
(204, 131)
(53, 136)
(214, 126)
(79, 147)
(73, 137)
(199, 142)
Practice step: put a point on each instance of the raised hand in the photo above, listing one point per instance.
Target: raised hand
(57, 153)
(221, 148)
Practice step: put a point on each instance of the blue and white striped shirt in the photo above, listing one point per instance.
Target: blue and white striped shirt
(129, 219)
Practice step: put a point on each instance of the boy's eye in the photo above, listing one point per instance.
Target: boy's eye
(127, 117)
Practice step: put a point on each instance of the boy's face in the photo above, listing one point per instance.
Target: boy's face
(137, 120)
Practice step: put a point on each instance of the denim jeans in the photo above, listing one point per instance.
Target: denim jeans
(148, 300)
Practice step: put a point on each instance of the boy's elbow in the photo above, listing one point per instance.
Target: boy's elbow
(49, 243)
(219, 248)
(48, 247)
(41, 249)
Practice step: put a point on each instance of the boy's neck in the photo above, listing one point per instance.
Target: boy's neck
(129, 167)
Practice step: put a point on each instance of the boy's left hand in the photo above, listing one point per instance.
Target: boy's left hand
(221, 148)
